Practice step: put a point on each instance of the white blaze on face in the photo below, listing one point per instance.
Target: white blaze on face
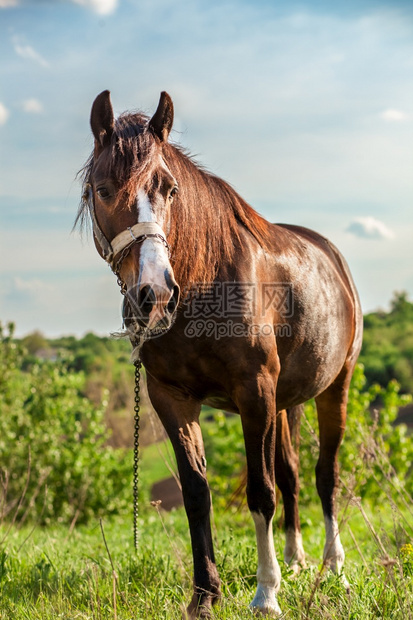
(144, 208)
(154, 265)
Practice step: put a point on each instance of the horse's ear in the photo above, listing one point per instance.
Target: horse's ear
(102, 120)
(162, 121)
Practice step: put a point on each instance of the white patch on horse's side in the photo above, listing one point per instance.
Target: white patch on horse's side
(268, 572)
(294, 554)
(144, 207)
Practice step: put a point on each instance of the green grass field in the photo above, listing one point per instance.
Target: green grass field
(94, 572)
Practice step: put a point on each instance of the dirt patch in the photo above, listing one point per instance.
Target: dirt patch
(168, 492)
(406, 416)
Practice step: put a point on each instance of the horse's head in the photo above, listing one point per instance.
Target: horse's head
(130, 191)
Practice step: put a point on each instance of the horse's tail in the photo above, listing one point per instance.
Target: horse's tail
(238, 497)
(294, 424)
(294, 415)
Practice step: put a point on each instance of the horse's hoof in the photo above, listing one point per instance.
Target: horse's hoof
(345, 583)
(203, 613)
(265, 602)
(194, 612)
(295, 568)
(272, 612)
(200, 606)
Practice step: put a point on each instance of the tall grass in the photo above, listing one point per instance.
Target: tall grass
(92, 571)
(71, 569)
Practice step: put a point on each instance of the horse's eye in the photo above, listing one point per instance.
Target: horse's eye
(173, 192)
(103, 192)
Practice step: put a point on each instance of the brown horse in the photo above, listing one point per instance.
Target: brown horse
(226, 309)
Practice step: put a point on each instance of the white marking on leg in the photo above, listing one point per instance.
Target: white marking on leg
(294, 554)
(333, 550)
(268, 572)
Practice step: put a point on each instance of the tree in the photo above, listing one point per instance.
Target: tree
(387, 351)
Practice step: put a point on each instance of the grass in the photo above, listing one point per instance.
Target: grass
(94, 572)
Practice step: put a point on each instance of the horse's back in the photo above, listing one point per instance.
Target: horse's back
(302, 236)
(325, 316)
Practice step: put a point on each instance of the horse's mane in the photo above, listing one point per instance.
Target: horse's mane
(206, 214)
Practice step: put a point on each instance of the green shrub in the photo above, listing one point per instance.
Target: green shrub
(53, 440)
(225, 453)
(376, 457)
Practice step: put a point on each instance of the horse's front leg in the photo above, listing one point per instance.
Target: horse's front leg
(256, 401)
(180, 417)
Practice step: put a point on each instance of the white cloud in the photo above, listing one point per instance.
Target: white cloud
(33, 285)
(29, 291)
(309, 95)
(369, 228)
(394, 115)
(101, 7)
(4, 114)
(28, 52)
(70, 303)
(33, 106)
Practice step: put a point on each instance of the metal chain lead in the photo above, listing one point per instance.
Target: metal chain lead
(137, 408)
(116, 270)
(138, 365)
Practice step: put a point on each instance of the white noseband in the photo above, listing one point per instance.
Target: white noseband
(133, 234)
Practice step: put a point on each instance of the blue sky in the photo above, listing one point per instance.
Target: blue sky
(305, 107)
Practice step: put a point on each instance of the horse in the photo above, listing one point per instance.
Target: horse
(229, 310)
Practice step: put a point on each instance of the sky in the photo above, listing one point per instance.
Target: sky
(306, 108)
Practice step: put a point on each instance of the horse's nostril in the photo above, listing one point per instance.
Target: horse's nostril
(173, 302)
(146, 300)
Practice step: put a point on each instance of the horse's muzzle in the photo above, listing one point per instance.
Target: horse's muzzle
(151, 307)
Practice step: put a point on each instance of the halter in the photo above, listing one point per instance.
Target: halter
(120, 246)
(122, 243)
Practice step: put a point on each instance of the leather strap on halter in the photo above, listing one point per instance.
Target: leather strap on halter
(104, 244)
(133, 234)
(139, 232)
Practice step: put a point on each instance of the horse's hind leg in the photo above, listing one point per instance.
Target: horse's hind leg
(332, 412)
(286, 477)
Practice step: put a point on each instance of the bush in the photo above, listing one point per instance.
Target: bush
(53, 441)
(376, 457)
(225, 453)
